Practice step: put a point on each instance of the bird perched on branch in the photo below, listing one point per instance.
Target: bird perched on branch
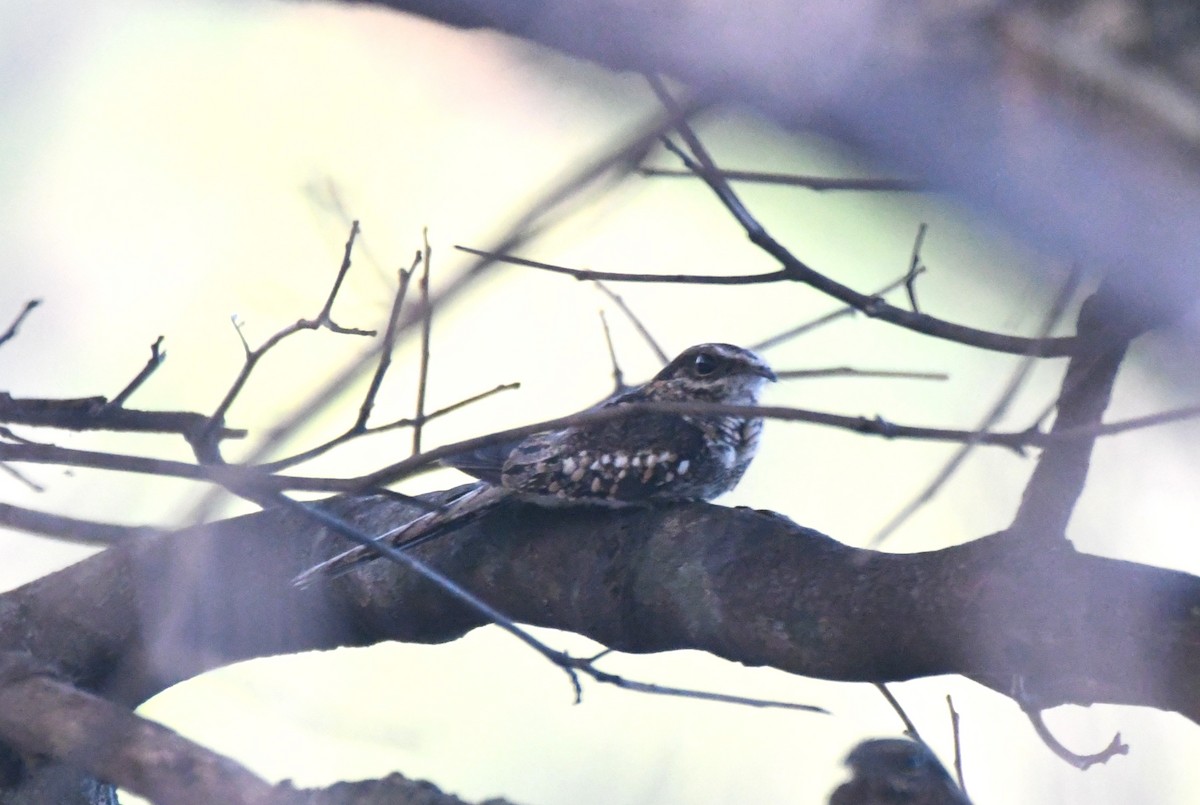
(644, 457)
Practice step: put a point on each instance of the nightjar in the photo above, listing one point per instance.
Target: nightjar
(645, 457)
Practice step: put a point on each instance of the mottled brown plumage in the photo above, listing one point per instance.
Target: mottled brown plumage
(648, 456)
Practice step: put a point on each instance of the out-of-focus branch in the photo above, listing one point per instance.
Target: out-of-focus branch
(43, 716)
(70, 529)
(938, 92)
(1057, 481)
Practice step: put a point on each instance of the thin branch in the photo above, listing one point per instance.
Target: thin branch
(618, 375)
(322, 320)
(253, 478)
(20, 477)
(821, 321)
(643, 331)
(817, 183)
(386, 348)
(426, 329)
(16, 325)
(96, 413)
(247, 480)
(356, 431)
(915, 267)
(798, 271)
(583, 274)
(1081, 762)
(848, 371)
(910, 728)
(954, 728)
(998, 409)
(156, 359)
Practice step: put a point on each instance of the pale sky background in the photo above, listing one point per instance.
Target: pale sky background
(164, 166)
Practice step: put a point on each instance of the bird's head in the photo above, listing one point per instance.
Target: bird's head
(720, 373)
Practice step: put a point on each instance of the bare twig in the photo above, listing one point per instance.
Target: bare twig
(998, 409)
(1081, 762)
(583, 274)
(798, 271)
(386, 349)
(157, 356)
(21, 477)
(915, 267)
(662, 356)
(821, 321)
(95, 413)
(618, 375)
(817, 183)
(910, 728)
(954, 728)
(16, 325)
(426, 329)
(357, 431)
(848, 371)
(322, 320)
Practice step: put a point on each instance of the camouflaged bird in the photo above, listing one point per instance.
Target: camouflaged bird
(645, 457)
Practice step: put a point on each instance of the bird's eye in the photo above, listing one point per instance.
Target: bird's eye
(705, 364)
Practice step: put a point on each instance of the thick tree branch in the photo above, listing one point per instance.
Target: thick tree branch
(744, 585)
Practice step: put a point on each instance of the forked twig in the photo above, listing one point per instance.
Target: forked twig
(322, 320)
(915, 267)
(157, 356)
(797, 271)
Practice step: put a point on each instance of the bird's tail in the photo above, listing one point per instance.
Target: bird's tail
(451, 516)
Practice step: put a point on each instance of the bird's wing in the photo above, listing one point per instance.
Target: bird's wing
(453, 515)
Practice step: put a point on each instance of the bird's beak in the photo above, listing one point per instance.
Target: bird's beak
(762, 370)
